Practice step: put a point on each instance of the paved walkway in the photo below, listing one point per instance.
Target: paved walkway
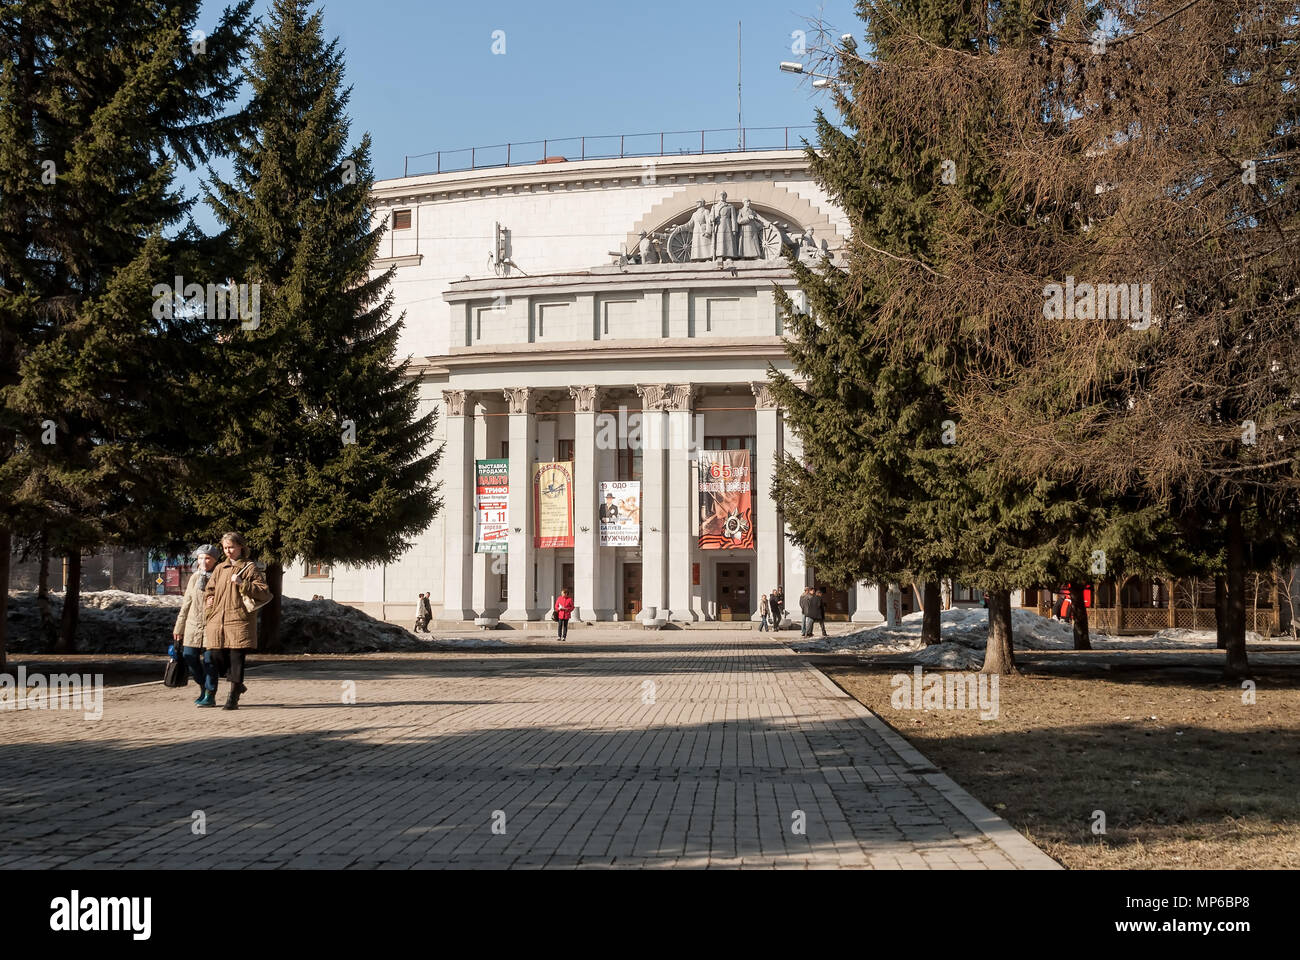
(701, 749)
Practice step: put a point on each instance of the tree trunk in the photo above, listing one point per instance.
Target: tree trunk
(1081, 640)
(47, 629)
(999, 656)
(1236, 667)
(1221, 612)
(269, 632)
(931, 620)
(71, 603)
(6, 541)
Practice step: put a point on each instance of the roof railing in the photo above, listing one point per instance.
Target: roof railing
(616, 146)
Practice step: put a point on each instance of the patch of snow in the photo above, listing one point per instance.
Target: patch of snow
(467, 643)
(963, 626)
(967, 628)
(113, 621)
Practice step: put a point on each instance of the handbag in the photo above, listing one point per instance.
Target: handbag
(251, 605)
(175, 675)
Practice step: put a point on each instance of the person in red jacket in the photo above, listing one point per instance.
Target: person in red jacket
(563, 611)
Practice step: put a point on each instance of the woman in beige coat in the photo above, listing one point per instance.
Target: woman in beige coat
(188, 631)
(231, 631)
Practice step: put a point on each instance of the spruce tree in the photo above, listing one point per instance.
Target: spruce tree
(107, 101)
(320, 452)
(883, 362)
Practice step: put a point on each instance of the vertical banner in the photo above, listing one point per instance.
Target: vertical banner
(726, 503)
(553, 504)
(491, 505)
(620, 513)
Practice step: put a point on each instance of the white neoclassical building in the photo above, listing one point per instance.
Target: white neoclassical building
(610, 322)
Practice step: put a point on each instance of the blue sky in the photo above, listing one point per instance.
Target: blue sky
(424, 76)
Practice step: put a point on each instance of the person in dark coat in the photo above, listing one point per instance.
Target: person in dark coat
(776, 604)
(563, 611)
(806, 624)
(815, 610)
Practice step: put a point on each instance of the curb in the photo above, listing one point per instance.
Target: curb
(1009, 840)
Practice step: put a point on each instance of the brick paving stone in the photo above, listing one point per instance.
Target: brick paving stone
(530, 758)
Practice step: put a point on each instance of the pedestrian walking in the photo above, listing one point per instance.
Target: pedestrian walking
(806, 620)
(777, 605)
(563, 611)
(231, 628)
(817, 607)
(187, 634)
(762, 613)
(424, 613)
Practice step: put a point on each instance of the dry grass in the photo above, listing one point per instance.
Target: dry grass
(1187, 775)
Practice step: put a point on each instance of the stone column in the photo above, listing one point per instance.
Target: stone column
(768, 540)
(795, 573)
(654, 521)
(681, 498)
(589, 572)
(458, 497)
(523, 431)
(487, 604)
(544, 450)
(867, 609)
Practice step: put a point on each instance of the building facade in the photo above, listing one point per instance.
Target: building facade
(616, 319)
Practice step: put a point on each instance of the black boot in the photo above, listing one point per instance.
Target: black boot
(232, 701)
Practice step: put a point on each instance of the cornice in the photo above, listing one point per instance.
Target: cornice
(587, 351)
(674, 170)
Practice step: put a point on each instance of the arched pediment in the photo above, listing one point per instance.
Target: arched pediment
(791, 214)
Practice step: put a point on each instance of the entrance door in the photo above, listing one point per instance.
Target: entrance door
(631, 590)
(837, 600)
(566, 577)
(733, 591)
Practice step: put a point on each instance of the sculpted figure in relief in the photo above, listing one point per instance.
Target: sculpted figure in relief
(751, 233)
(701, 233)
(724, 220)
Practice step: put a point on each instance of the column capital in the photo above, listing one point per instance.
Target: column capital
(586, 398)
(764, 398)
(666, 396)
(520, 399)
(455, 401)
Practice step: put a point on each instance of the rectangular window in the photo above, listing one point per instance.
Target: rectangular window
(316, 571)
(730, 443)
(505, 449)
(629, 464)
(563, 450)
(401, 219)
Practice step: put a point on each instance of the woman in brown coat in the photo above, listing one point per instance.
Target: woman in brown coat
(231, 631)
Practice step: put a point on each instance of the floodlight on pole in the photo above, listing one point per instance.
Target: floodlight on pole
(790, 67)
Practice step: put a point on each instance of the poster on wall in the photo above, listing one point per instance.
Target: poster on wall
(620, 513)
(553, 504)
(726, 502)
(491, 505)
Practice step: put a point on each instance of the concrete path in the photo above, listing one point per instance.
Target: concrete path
(616, 749)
